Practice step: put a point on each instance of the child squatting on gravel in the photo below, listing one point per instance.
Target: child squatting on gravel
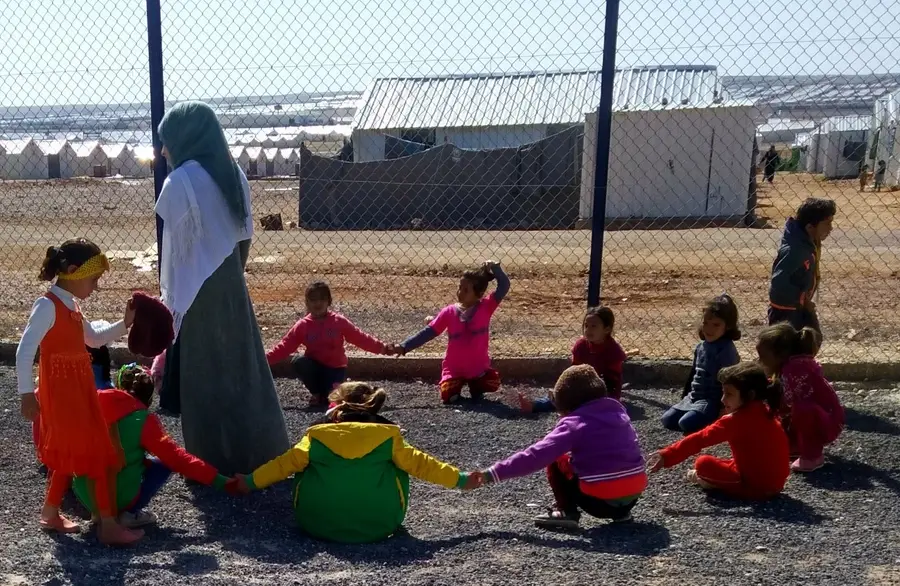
(596, 348)
(701, 400)
(323, 332)
(468, 326)
(139, 433)
(351, 470)
(811, 412)
(74, 438)
(592, 456)
(758, 467)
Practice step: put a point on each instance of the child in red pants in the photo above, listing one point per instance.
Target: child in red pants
(812, 414)
(758, 467)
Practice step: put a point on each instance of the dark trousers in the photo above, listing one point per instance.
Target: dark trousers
(318, 379)
(571, 501)
(798, 318)
(156, 474)
(687, 421)
(170, 392)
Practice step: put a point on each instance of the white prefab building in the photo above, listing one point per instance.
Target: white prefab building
(839, 146)
(679, 149)
(239, 154)
(120, 160)
(143, 158)
(885, 141)
(22, 159)
(291, 161)
(60, 158)
(256, 162)
(90, 160)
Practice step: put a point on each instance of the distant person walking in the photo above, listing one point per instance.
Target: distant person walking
(880, 172)
(216, 374)
(770, 161)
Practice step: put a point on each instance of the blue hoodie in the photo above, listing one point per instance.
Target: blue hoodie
(795, 271)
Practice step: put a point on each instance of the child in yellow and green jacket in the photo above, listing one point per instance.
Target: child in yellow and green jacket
(351, 470)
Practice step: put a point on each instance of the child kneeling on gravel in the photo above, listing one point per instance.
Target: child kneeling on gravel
(592, 456)
(351, 470)
(758, 467)
(139, 433)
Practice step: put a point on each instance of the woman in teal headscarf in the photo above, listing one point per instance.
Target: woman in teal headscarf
(216, 375)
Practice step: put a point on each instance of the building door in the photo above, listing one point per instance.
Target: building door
(254, 168)
(53, 167)
(270, 168)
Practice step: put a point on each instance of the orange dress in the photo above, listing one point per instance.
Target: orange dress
(74, 438)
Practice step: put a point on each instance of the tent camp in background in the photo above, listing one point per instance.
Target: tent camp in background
(143, 157)
(22, 159)
(274, 162)
(839, 146)
(291, 162)
(120, 160)
(239, 154)
(60, 158)
(90, 160)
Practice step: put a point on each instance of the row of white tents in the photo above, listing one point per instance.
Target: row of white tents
(32, 159)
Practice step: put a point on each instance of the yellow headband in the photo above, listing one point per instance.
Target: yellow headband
(93, 267)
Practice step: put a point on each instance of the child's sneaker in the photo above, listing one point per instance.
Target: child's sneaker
(135, 520)
(804, 465)
(556, 519)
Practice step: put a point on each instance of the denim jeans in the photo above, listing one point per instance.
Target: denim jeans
(155, 476)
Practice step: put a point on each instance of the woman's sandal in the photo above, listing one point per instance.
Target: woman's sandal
(556, 519)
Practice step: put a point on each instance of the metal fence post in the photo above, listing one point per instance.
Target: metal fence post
(157, 107)
(601, 160)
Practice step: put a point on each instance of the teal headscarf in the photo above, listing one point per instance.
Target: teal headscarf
(191, 132)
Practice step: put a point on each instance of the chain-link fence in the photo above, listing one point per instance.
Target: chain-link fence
(392, 145)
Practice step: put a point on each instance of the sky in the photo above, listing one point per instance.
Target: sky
(95, 51)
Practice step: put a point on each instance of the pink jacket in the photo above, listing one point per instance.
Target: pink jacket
(324, 340)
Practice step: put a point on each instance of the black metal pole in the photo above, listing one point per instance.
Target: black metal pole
(601, 158)
(157, 106)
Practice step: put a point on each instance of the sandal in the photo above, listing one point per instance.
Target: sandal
(556, 519)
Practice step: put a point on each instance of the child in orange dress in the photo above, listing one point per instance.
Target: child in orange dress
(74, 440)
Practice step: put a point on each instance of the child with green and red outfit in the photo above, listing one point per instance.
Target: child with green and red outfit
(139, 433)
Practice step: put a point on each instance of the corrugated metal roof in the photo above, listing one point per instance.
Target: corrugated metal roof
(527, 98)
(846, 124)
(812, 91)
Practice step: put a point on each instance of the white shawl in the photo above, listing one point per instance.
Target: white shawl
(199, 233)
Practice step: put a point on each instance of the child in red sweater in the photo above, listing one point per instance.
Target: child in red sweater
(596, 348)
(758, 467)
(812, 414)
(324, 364)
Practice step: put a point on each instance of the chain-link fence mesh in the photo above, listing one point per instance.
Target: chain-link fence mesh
(392, 145)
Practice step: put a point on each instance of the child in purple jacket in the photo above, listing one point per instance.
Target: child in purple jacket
(592, 456)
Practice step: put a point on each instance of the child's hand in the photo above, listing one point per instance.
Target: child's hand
(490, 264)
(30, 408)
(654, 462)
(129, 314)
(396, 350)
(475, 480)
(240, 485)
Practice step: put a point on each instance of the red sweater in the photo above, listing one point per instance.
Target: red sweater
(324, 340)
(804, 383)
(758, 444)
(606, 357)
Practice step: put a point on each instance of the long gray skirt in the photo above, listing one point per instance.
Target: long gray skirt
(230, 413)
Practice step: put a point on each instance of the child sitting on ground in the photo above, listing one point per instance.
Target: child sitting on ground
(139, 433)
(701, 401)
(758, 467)
(323, 332)
(352, 469)
(811, 414)
(596, 348)
(592, 456)
(467, 360)
(795, 272)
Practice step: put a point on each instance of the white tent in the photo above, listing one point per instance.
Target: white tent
(60, 158)
(256, 161)
(90, 159)
(276, 165)
(239, 154)
(291, 159)
(22, 159)
(143, 157)
(120, 160)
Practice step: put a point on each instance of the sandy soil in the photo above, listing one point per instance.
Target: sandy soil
(390, 282)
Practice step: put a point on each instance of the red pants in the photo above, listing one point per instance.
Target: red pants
(809, 429)
(724, 475)
(489, 382)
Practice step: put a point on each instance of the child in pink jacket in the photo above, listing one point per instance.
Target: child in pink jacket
(323, 332)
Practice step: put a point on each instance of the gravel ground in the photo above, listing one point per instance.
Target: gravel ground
(838, 526)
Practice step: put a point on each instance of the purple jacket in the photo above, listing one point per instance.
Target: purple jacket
(599, 435)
